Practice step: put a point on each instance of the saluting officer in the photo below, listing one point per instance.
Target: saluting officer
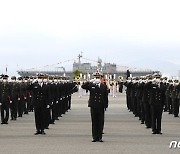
(98, 102)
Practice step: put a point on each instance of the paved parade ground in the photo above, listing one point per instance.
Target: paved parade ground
(72, 133)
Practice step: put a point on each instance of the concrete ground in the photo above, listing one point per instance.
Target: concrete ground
(72, 133)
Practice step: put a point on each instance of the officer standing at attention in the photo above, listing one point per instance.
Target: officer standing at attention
(40, 103)
(15, 97)
(5, 99)
(98, 102)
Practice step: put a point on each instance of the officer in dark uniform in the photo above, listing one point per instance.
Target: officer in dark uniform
(145, 98)
(129, 84)
(5, 99)
(98, 102)
(15, 97)
(157, 96)
(21, 96)
(175, 99)
(168, 93)
(40, 103)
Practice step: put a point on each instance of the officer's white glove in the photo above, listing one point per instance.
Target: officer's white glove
(52, 103)
(0, 104)
(24, 97)
(97, 81)
(18, 99)
(48, 107)
(10, 101)
(56, 102)
(92, 80)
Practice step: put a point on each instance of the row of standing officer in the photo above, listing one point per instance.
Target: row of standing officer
(15, 97)
(51, 94)
(148, 96)
(51, 99)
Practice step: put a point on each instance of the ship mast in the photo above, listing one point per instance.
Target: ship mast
(79, 57)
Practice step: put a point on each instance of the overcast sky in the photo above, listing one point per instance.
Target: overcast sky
(35, 33)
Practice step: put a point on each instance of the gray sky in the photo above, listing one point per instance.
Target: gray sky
(137, 33)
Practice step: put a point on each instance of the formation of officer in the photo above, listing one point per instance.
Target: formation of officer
(98, 102)
(149, 95)
(51, 98)
(14, 97)
(48, 96)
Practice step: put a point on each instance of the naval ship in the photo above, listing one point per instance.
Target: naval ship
(88, 68)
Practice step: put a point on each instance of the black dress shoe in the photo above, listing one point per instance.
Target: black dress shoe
(159, 133)
(100, 140)
(37, 133)
(94, 140)
(43, 133)
(154, 133)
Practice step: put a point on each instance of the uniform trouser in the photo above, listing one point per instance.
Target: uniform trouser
(60, 108)
(97, 117)
(20, 107)
(53, 113)
(176, 107)
(13, 108)
(66, 104)
(69, 102)
(134, 99)
(148, 117)
(169, 102)
(26, 105)
(142, 111)
(40, 118)
(139, 107)
(4, 112)
(156, 110)
(47, 117)
(166, 104)
(63, 106)
(129, 101)
(30, 108)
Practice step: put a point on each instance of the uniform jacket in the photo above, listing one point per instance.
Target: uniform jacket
(5, 92)
(157, 94)
(40, 95)
(98, 95)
